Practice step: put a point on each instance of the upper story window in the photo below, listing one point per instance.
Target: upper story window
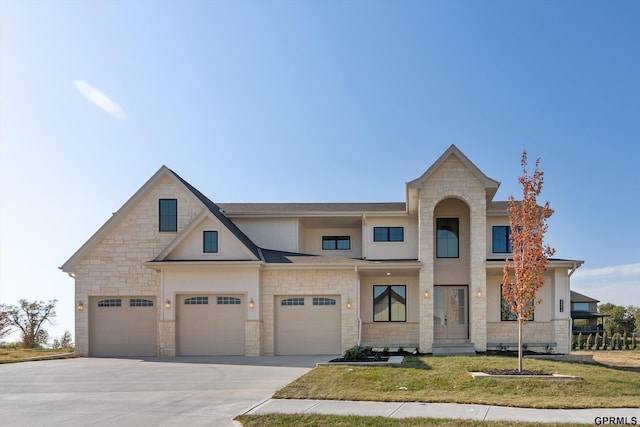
(389, 303)
(581, 306)
(168, 214)
(447, 237)
(388, 234)
(210, 242)
(333, 243)
(501, 240)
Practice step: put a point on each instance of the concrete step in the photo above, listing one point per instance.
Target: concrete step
(448, 349)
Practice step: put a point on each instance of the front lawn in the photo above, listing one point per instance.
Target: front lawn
(13, 354)
(447, 379)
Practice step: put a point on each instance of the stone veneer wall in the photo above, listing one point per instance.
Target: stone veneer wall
(252, 338)
(453, 180)
(309, 282)
(554, 331)
(115, 266)
(390, 333)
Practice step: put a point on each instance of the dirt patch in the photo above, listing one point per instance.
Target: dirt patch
(617, 359)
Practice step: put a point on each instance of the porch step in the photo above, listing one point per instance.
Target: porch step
(448, 349)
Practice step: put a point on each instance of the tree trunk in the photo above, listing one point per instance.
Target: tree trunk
(520, 345)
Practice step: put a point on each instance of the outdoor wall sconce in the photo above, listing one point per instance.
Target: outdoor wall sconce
(426, 294)
(349, 305)
(479, 293)
(80, 306)
(251, 303)
(167, 304)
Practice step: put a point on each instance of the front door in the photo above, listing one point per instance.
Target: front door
(450, 317)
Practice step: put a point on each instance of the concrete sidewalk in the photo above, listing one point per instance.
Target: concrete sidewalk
(629, 416)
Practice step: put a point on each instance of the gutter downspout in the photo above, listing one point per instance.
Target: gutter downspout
(358, 304)
(573, 270)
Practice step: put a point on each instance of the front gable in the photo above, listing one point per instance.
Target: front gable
(222, 244)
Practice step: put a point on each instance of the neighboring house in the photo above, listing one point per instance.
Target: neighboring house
(173, 273)
(584, 314)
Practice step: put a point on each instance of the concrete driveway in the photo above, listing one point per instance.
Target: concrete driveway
(193, 391)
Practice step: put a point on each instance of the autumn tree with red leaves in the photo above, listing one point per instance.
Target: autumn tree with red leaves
(523, 274)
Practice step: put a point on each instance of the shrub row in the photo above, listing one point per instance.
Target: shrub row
(603, 342)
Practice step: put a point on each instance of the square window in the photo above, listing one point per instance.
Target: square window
(210, 242)
(389, 303)
(168, 213)
(506, 314)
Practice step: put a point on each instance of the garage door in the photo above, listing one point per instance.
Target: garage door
(307, 325)
(210, 325)
(122, 326)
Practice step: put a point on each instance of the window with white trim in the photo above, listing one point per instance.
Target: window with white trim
(140, 302)
(210, 242)
(336, 243)
(228, 301)
(112, 302)
(196, 301)
(323, 301)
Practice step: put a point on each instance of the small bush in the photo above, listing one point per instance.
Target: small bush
(357, 352)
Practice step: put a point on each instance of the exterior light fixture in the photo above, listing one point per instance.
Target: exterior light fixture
(167, 304)
(349, 305)
(388, 273)
(251, 303)
(426, 294)
(479, 293)
(80, 306)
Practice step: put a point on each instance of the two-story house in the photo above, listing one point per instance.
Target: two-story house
(173, 273)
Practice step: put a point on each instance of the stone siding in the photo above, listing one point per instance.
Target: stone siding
(389, 333)
(115, 266)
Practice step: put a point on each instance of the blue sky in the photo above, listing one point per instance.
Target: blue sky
(314, 101)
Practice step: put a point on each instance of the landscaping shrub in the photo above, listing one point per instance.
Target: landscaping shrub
(357, 352)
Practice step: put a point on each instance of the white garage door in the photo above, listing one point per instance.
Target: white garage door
(210, 325)
(307, 325)
(122, 326)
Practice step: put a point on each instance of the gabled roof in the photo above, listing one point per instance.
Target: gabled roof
(219, 213)
(491, 185)
(577, 297)
(69, 266)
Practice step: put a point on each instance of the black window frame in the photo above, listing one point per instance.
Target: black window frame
(506, 314)
(204, 242)
(336, 243)
(168, 215)
(389, 298)
(446, 223)
(509, 248)
(387, 234)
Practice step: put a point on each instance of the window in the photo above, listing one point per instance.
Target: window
(505, 309)
(447, 232)
(388, 234)
(210, 242)
(502, 240)
(168, 215)
(389, 303)
(561, 305)
(114, 302)
(323, 301)
(581, 306)
(196, 301)
(333, 243)
(228, 301)
(139, 302)
(292, 301)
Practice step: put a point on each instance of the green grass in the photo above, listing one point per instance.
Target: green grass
(317, 420)
(447, 379)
